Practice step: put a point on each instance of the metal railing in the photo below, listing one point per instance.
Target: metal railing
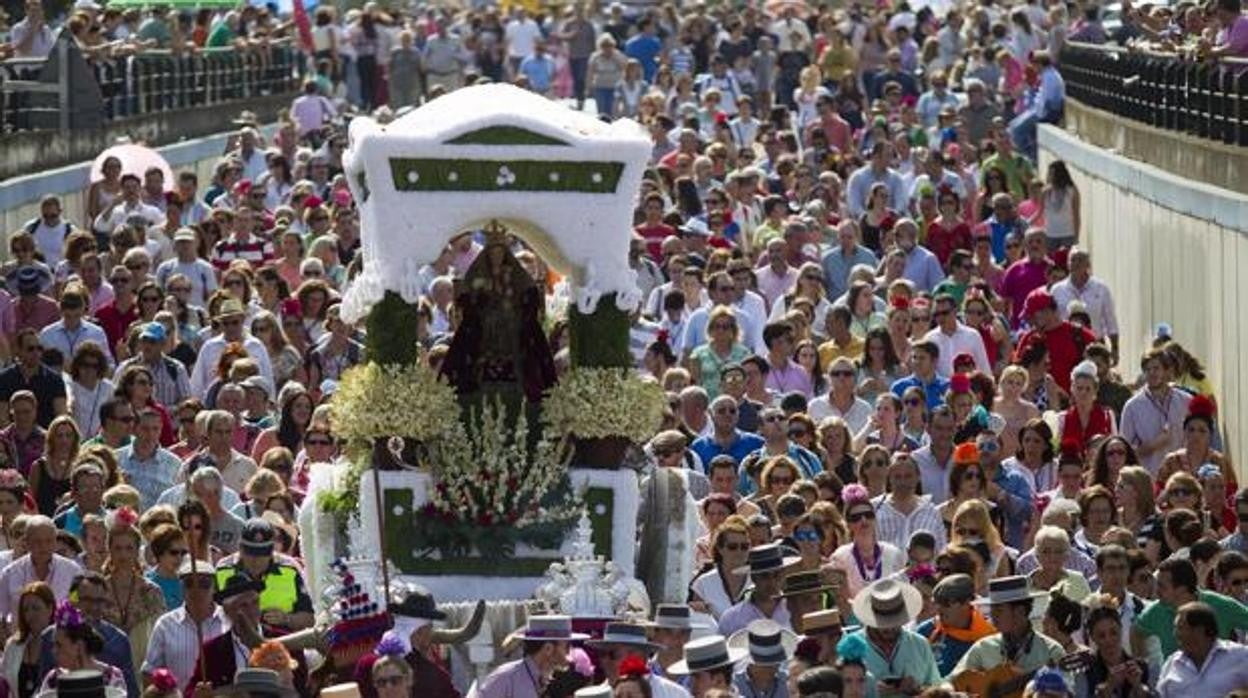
(1205, 99)
(33, 91)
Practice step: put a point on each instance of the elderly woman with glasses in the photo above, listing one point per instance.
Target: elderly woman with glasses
(865, 559)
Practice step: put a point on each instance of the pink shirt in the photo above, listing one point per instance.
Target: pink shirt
(1022, 278)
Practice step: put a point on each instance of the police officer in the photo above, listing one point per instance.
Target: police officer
(284, 601)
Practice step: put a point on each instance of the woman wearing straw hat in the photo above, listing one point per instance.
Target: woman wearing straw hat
(898, 657)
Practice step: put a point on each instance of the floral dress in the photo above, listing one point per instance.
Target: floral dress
(136, 613)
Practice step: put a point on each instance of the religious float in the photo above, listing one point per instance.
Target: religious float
(495, 477)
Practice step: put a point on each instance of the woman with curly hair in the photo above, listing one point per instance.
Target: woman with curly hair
(136, 602)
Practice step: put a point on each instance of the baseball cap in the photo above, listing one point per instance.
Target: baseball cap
(153, 332)
(184, 234)
(1037, 300)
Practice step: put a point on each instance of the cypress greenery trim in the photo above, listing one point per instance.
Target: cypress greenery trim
(391, 327)
(504, 135)
(552, 176)
(600, 339)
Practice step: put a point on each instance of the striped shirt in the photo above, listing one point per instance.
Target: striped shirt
(175, 643)
(894, 527)
(256, 250)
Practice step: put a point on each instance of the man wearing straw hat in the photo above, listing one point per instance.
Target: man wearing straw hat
(546, 641)
(826, 629)
(621, 640)
(766, 563)
(709, 663)
(804, 593)
(898, 657)
(1010, 601)
(230, 317)
(769, 647)
(671, 629)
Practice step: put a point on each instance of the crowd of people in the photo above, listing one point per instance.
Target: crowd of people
(897, 399)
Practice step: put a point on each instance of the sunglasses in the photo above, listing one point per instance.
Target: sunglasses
(149, 299)
(736, 547)
(972, 475)
(967, 532)
(318, 442)
(177, 552)
(912, 402)
(806, 535)
(1119, 452)
(797, 433)
(861, 516)
(723, 326)
(1182, 492)
(841, 374)
(394, 680)
(781, 481)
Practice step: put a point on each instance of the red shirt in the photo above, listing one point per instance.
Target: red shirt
(655, 235)
(115, 322)
(943, 241)
(1065, 343)
(1099, 423)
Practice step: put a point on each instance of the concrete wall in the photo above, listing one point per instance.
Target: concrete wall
(19, 196)
(1188, 156)
(1172, 250)
(36, 151)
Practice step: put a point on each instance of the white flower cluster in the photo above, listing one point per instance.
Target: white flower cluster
(411, 401)
(600, 402)
(485, 475)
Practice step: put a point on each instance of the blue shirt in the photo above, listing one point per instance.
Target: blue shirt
(923, 268)
(1051, 97)
(836, 268)
(911, 657)
(1017, 505)
(859, 188)
(540, 70)
(935, 391)
(1000, 231)
(743, 444)
(150, 476)
(171, 587)
(645, 48)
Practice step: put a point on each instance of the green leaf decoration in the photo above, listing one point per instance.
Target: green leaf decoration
(446, 175)
(504, 135)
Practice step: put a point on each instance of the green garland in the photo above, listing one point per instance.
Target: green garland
(599, 339)
(391, 329)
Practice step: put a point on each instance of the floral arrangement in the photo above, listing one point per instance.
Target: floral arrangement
(67, 616)
(384, 400)
(164, 681)
(495, 488)
(592, 403)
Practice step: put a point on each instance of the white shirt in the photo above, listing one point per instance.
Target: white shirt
(211, 351)
(66, 341)
(1098, 299)
(963, 340)
(20, 572)
(50, 240)
(521, 36)
(894, 527)
(856, 417)
(174, 643)
(107, 221)
(933, 475)
(1224, 670)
